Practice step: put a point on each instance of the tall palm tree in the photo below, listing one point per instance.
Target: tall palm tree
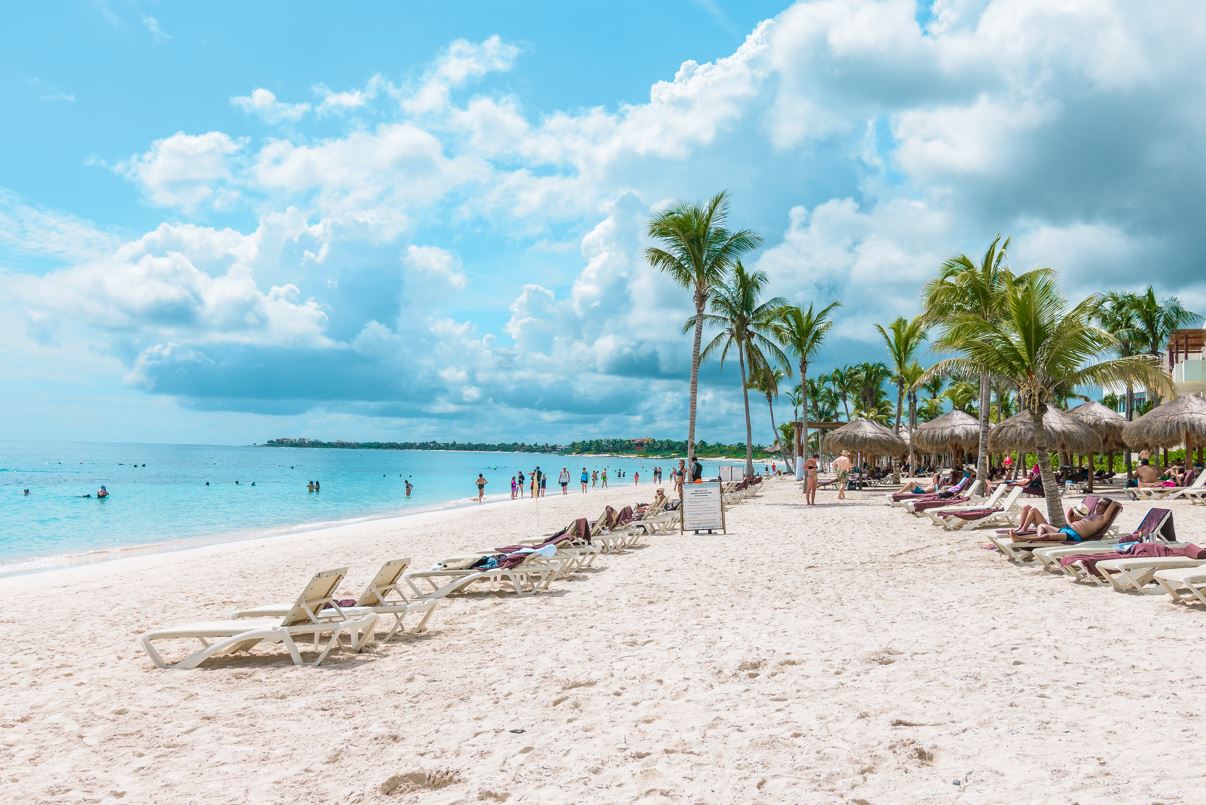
(903, 337)
(842, 379)
(697, 251)
(1038, 343)
(912, 375)
(745, 323)
(802, 332)
(1157, 319)
(869, 378)
(962, 396)
(766, 379)
(965, 288)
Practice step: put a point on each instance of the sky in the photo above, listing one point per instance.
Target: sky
(228, 222)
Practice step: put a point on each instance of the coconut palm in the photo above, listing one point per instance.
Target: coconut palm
(1155, 321)
(697, 251)
(961, 396)
(802, 332)
(868, 379)
(747, 324)
(903, 337)
(766, 379)
(1037, 343)
(912, 375)
(964, 288)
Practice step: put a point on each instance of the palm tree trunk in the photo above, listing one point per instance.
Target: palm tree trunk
(912, 428)
(778, 436)
(1055, 513)
(749, 432)
(803, 418)
(1130, 414)
(697, 347)
(899, 405)
(982, 450)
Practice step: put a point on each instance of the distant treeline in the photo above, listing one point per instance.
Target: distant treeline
(501, 447)
(617, 447)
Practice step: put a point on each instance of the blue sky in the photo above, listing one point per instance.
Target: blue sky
(238, 221)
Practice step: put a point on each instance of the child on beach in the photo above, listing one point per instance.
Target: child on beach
(514, 487)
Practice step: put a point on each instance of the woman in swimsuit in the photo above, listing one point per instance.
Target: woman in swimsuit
(811, 467)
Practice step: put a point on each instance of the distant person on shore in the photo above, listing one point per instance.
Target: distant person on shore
(585, 479)
(603, 478)
(563, 479)
(811, 467)
(409, 487)
(481, 487)
(841, 465)
(544, 484)
(696, 471)
(514, 488)
(636, 478)
(522, 478)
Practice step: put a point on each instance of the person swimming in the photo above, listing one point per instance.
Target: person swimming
(102, 493)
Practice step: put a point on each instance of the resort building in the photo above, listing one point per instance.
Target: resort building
(1186, 360)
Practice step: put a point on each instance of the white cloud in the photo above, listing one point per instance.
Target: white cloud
(460, 62)
(185, 170)
(263, 103)
(436, 263)
(36, 231)
(155, 30)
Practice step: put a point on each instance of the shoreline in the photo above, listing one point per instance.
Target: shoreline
(37, 565)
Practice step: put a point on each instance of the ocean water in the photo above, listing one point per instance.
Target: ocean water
(158, 492)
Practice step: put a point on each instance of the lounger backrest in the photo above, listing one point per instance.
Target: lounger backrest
(997, 494)
(318, 592)
(1106, 523)
(383, 583)
(1011, 500)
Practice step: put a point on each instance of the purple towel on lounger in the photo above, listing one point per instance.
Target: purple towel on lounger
(972, 514)
(1143, 549)
(936, 503)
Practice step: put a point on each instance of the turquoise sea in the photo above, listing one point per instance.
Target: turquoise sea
(158, 492)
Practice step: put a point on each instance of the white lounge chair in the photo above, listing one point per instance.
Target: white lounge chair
(1156, 526)
(1005, 515)
(301, 621)
(530, 576)
(975, 502)
(1170, 492)
(383, 596)
(1132, 575)
(1184, 584)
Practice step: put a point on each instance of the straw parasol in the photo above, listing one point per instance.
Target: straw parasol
(1107, 424)
(1064, 433)
(865, 436)
(1179, 422)
(948, 432)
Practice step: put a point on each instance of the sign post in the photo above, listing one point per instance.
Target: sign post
(703, 508)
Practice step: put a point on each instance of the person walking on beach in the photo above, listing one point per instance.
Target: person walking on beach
(604, 478)
(563, 479)
(481, 487)
(544, 483)
(811, 467)
(841, 465)
(585, 478)
(514, 487)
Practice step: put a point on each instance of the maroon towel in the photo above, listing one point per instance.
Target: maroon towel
(972, 514)
(624, 517)
(1143, 549)
(936, 503)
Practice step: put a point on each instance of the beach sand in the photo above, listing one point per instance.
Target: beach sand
(848, 652)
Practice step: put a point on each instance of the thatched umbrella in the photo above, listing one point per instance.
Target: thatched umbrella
(1064, 433)
(1180, 421)
(865, 436)
(1107, 424)
(952, 431)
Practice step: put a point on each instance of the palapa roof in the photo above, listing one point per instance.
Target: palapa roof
(1064, 432)
(1169, 425)
(1105, 422)
(865, 436)
(953, 429)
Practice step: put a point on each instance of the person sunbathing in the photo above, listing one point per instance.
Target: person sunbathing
(1147, 475)
(934, 485)
(1081, 529)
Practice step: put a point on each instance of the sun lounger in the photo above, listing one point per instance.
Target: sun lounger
(1133, 575)
(524, 574)
(1196, 485)
(1004, 514)
(990, 502)
(383, 596)
(302, 620)
(1022, 552)
(1156, 526)
(1185, 585)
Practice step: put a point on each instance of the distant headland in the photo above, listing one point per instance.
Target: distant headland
(638, 448)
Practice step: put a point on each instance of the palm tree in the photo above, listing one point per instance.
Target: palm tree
(1038, 343)
(747, 324)
(802, 332)
(697, 251)
(766, 379)
(912, 374)
(842, 379)
(961, 396)
(869, 378)
(903, 338)
(964, 288)
(1119, 314)
(1157, 319)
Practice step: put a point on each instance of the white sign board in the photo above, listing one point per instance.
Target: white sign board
(731, 472)
(703, 507)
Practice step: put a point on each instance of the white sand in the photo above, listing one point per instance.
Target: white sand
(845, 653)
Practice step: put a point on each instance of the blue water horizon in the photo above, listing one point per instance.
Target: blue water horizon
(158, 493)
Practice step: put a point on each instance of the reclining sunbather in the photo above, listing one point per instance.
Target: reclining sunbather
(1080, 530)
